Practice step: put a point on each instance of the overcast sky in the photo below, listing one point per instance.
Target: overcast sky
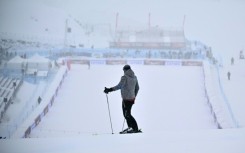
(218, 23)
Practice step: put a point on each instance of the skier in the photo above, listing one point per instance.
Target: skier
(129, 89)
(39, 100)
(88, 65)
(229, 75)
(232, 61)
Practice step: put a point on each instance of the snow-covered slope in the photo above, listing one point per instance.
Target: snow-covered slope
(166, 100)
(170, 108)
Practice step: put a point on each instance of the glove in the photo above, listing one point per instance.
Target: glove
(107, 90)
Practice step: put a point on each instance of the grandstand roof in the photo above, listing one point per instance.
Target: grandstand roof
(38, 59)
(16, 59)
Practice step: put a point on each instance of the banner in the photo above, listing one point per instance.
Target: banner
(28, 132)
(42, 115)
(79, 61)
(192, 63)
(154, 62)
(52, 100)
(135, 62)
(173, 63)
(85, 62)
(148, 45)
(46, 110)
(116, 62)
(37, 120)
(97, 62)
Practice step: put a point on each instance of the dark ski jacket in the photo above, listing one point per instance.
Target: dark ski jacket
(129, 86)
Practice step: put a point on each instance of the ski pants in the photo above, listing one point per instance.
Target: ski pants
(126, 107)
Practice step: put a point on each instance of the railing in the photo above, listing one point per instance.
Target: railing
(208, 99)
(235, 122)
(35, 118)
(219, 104)
(9, 93)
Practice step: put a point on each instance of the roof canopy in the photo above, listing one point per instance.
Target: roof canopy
(38, 59)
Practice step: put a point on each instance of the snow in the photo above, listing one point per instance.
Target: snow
(235, 87)
(201, 141)
(216, 97)
(71, 113)
(171, 108)
(23, 105)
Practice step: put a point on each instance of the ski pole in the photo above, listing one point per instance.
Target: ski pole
(123, 124)
(109, 113)
(124, 117)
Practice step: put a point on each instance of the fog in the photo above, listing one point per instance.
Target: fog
(217, 23)
(28, 28)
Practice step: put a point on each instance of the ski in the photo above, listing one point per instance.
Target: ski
(130, 132)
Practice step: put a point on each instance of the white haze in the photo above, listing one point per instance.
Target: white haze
(217, 23)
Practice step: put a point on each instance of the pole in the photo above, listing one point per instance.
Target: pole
(149, 21)
(123, 125)
(109, 113)
(183, 26)
(65, 38)
(124, 117)
(116, 22)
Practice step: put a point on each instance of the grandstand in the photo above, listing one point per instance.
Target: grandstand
(17, 73)
(8, 88)
(152, 38)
